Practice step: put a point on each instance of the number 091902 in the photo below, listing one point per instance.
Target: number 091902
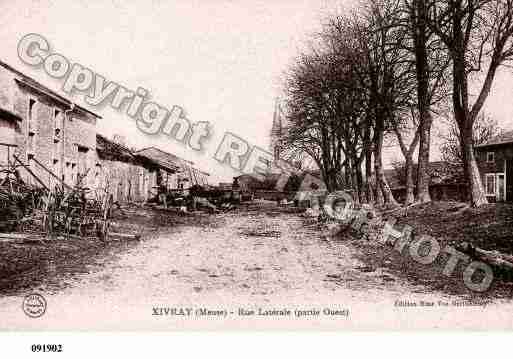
(46, 348)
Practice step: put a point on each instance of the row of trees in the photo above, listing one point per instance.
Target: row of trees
(388, 69)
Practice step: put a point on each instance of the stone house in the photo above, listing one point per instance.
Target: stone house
(46, 131)
(495, 162)
(57, 141)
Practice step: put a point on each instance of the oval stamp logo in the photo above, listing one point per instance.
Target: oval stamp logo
(34, 305)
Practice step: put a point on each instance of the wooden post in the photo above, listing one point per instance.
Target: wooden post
(30, 171)
(51, 173)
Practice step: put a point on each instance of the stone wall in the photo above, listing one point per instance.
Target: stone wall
(127, 182)
(44, 131)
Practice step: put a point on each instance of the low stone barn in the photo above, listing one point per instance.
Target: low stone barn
(176, 173)
(118, 171)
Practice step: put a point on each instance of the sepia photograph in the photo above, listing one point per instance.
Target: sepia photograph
(313, 165)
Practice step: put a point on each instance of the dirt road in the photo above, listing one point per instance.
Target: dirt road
(249, 259)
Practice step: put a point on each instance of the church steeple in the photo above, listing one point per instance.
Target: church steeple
(277, 130)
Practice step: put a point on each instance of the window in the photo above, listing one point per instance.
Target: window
(56, 151)
(30, 164)
(82, 164)
(490, 157)
(56, 168)
(490, 184)
(31, 145)
(97, 176)
(73, 173)
(57, 120)
(31, 125)
(31, 128)
(495, 185)
(66, 175)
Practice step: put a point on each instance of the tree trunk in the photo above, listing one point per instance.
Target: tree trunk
(474, 184)
(327, 179)
(422, 67)
(465, 125)
(410, 187)
(347, 174)
(369, 191)
(423, 177)
(408, 164)
(356, 177)
(383, 193)
(359, 183)
(355, 187)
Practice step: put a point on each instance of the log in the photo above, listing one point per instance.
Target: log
(495, 258)
(124, 236)
(13, 236)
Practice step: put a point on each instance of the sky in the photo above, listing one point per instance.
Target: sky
(222, 61)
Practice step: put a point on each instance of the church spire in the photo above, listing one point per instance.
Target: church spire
(277, 130)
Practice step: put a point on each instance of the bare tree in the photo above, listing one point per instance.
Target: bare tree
(388, 80)
(478, 35)
(408, 149)
(428, 69)
(313, 122)
(485, 128)
(356, 86)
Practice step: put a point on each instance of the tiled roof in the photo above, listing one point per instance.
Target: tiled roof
(503, 138)
(440, 172)
(111, 150)
(30, 82)
(8, 115)
(170, 161)
(162, 158)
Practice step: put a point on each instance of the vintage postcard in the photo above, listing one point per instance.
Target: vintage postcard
(256, 165)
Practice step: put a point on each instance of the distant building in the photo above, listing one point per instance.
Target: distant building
(252, 183)
(303, 181)
(225, 186)
(446, 181)
(176, 173)
(495, 161)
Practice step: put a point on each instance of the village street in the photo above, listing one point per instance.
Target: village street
(247, 259)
